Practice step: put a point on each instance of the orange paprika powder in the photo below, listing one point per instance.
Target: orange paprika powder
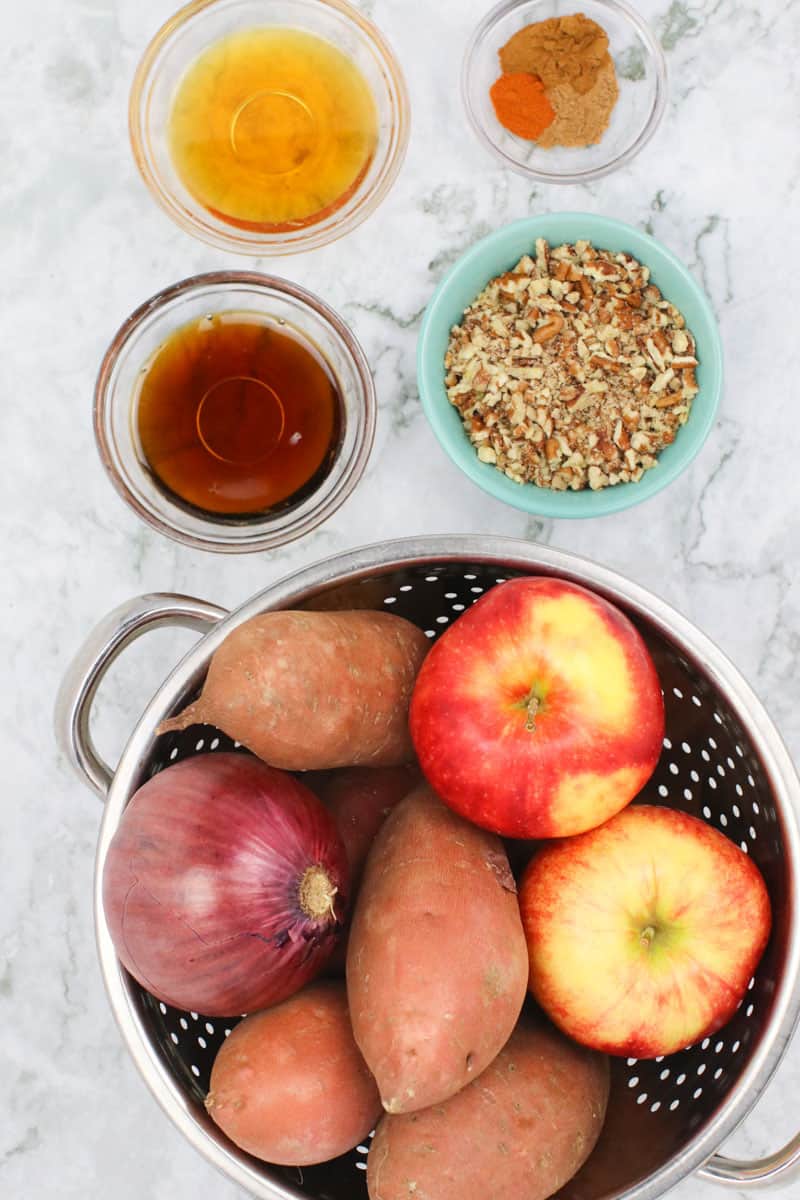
(521, 104)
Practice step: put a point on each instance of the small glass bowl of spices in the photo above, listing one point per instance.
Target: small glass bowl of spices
(561, 95)
(234, 411)
(269, 126)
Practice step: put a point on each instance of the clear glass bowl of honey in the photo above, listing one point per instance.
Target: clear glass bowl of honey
(234, 411)
(269, 126)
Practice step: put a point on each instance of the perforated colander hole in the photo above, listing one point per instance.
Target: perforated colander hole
(730, 762)
(162, 1008)
(687, 793)
(686, 748)
(735, 810)
(500, 581)
(631, 1061)
(663, 790)
(748, 1012)
(214, 744)
(706, 812)
(477, 590)
(470, 576)
(655, 1106)
(202, 1043)
(195, 1071)
(174, 1038)
(184, 1024)
(641, 1098)
(435, 578)
(751, 781)
(451, 595)
(199, 745)
(681, 1079)
(739, 790)
(723, 820)
(390, 600)
(743, 846)
(706, 1042)
(718, 1073)
(406, 587)
(756, 808)
(665, 1074)
(695, 778)
(430, 633)
(227, 1033)
(701, 1070)
(675, 1104)
(706, 757)
(632, 1082)
(721, 770)
(676, 691)
(738, 749)
(697, 701)
(362, 1149)
(712, 783)
(697, 1093)
(173, 754)
(717, 718)
(673, 768)
(458, 607)
(736, 1046)
(361, 1166)
(753, 833)
(209, 1027)
(667, 744)
(442, 620)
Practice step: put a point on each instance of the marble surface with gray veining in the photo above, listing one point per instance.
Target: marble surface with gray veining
(83, 244)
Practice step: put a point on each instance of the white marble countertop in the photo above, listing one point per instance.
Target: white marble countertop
(83, 244)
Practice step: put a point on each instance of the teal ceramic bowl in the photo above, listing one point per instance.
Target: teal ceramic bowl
(498, 253)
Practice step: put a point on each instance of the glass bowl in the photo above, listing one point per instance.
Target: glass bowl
(202, 23)
(498, 253)
(641, 73)
(278, 303)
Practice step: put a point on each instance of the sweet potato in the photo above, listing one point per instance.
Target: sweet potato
(521, 1130)
(313, 690)
(289, 1085)
(360, 799)
(436, 965)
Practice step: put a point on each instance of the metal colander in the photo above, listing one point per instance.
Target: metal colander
(722, 761)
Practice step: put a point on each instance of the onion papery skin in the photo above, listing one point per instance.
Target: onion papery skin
(201, 885)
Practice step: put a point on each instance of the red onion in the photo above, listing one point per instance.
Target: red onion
(224, 886)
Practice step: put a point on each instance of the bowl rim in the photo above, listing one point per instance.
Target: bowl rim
(528, 497)
(276, 244)
(262, 538)
(646, 34)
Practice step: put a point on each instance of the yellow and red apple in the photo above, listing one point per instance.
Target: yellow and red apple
(643, 934)
(539, 713)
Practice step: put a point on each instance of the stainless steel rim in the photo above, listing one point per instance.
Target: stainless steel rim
(508, 554)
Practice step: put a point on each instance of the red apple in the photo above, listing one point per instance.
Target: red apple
(643, 934)
(539, 712)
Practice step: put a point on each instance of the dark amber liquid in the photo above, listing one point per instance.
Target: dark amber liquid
(238, 417)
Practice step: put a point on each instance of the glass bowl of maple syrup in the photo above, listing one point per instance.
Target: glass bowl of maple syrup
(269, 126)
(234, 411)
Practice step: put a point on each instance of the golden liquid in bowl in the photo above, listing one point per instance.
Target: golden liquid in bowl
(272, 129)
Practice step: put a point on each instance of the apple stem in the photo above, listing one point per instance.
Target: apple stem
(647, 935)
(531, 708)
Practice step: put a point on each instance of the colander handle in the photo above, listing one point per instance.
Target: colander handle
(775, 1169)
(86, 671)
